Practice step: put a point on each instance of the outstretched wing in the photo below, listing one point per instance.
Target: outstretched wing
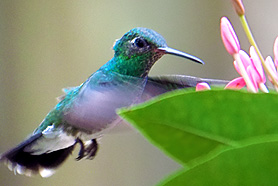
(160, 84)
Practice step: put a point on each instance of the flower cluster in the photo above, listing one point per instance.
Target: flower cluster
(250, 67)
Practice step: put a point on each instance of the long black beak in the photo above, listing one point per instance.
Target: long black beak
(168, 50)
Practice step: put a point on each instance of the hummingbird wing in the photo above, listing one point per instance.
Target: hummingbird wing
(161, 84)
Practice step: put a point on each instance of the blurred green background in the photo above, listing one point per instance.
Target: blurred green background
(48, 45)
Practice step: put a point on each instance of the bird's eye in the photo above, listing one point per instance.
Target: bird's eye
(139, 42)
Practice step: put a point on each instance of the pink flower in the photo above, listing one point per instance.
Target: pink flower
(252, 73)
(237, 83)
(246, 61)
(232, 45)
(202, 86)
(275, 50)
(229, 37)
(256, 62)
(269, 62)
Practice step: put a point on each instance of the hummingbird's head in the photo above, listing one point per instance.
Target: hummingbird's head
(139, 49)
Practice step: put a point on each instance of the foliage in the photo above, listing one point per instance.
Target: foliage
(221, 137)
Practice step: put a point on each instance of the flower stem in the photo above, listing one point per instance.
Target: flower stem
(252, 42)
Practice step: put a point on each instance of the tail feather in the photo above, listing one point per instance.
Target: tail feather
(23, 162)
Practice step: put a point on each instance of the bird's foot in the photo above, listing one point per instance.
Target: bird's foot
(82, 149)
(89, 150)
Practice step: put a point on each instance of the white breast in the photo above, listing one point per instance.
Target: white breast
(94, 109)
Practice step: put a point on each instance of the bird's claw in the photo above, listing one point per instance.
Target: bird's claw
(82, 149)
(88, 151)
(91, 150)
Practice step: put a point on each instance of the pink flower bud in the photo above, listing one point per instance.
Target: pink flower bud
(256, 62)
(237, 83)
(269, 62)
(202, 86)
(252, 73)
(246, 61)
(229, 37)
(239, 8)
(275, 50)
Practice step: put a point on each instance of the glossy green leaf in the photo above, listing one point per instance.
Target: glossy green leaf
(194, 126)
(249, 165)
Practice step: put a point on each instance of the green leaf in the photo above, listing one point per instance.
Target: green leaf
(250, 165)
(195, 126)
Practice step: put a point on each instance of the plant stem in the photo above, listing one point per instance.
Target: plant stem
(252, 42)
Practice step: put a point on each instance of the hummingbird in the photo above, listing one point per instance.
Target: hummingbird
(87, 111)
